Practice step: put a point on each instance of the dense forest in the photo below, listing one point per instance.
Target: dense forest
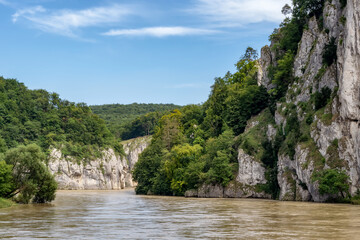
(191, 145)
(30, 122)
(132, 120)
(198, 145)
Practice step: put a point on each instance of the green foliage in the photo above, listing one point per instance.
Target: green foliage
(305, 8)
(33, 181)
(246, 67)
(270, 159)
(215, 108)
(176, 164)
(333, 181)
(132, 120)
(284, 74)
(4, 203)
(242, 103)
(147, 167)
(7, 185)
(196, 144)
(334, 160)
(329, 55)
(220, 158)
(290, 34)
(37, 116)
(170, 129)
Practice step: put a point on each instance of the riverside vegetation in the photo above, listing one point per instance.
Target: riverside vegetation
(283, 126)
(295, 84)
(30, 122)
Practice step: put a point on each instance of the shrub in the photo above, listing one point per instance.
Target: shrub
(333, 181)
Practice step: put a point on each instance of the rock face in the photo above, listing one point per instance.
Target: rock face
(333, 138)
(341, 133)
(264, 63)
(111, 172)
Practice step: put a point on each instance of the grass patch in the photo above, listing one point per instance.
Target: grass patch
(334, 160)
(5, 203)
(252, 139)
(313, 156)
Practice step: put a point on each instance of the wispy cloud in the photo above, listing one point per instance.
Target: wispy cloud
(65, 22)
(160, 31)
(230, 13)
(27, 12)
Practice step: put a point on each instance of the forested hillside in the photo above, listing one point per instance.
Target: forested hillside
(132, 120)
(39, 119)
(197, 144)
(282, 126)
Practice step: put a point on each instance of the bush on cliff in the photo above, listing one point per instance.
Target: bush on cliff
(333, 181)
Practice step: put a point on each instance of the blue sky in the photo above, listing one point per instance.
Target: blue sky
(125, 51)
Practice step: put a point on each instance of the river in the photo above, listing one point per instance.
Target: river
(124, 215)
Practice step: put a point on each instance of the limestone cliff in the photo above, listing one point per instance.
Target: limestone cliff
(308, 147)
(333, 141)
(111, 172)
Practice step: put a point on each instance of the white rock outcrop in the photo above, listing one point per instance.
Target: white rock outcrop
(110, 172)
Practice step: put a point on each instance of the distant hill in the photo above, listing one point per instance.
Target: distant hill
(41, 117)
(132, 120)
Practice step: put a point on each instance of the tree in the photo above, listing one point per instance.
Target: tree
(219, 157)
(286, 10)
(304, 8)
(7, 185)
(284, 73)
(33, 181)
(333, 181)
(176, 164)
(170, 129)
(246, 66)
(242, 103)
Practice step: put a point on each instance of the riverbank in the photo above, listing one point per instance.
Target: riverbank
(5, 203)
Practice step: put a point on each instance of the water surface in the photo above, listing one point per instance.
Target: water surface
(124, 215)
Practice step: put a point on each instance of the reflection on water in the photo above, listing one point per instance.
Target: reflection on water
(123, 215)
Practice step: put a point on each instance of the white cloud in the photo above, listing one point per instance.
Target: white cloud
(160, 31)
(27, 11)
(65, 22)
(239, 12)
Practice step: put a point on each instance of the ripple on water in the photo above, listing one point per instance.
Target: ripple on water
(123, 215)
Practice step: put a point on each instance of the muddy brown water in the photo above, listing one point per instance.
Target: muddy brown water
(124, 215)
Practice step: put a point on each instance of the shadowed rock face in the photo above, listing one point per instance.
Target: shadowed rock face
(111, 172)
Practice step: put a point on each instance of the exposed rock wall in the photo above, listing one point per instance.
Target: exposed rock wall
(295, 176)
(111, 172)
(333, 141)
